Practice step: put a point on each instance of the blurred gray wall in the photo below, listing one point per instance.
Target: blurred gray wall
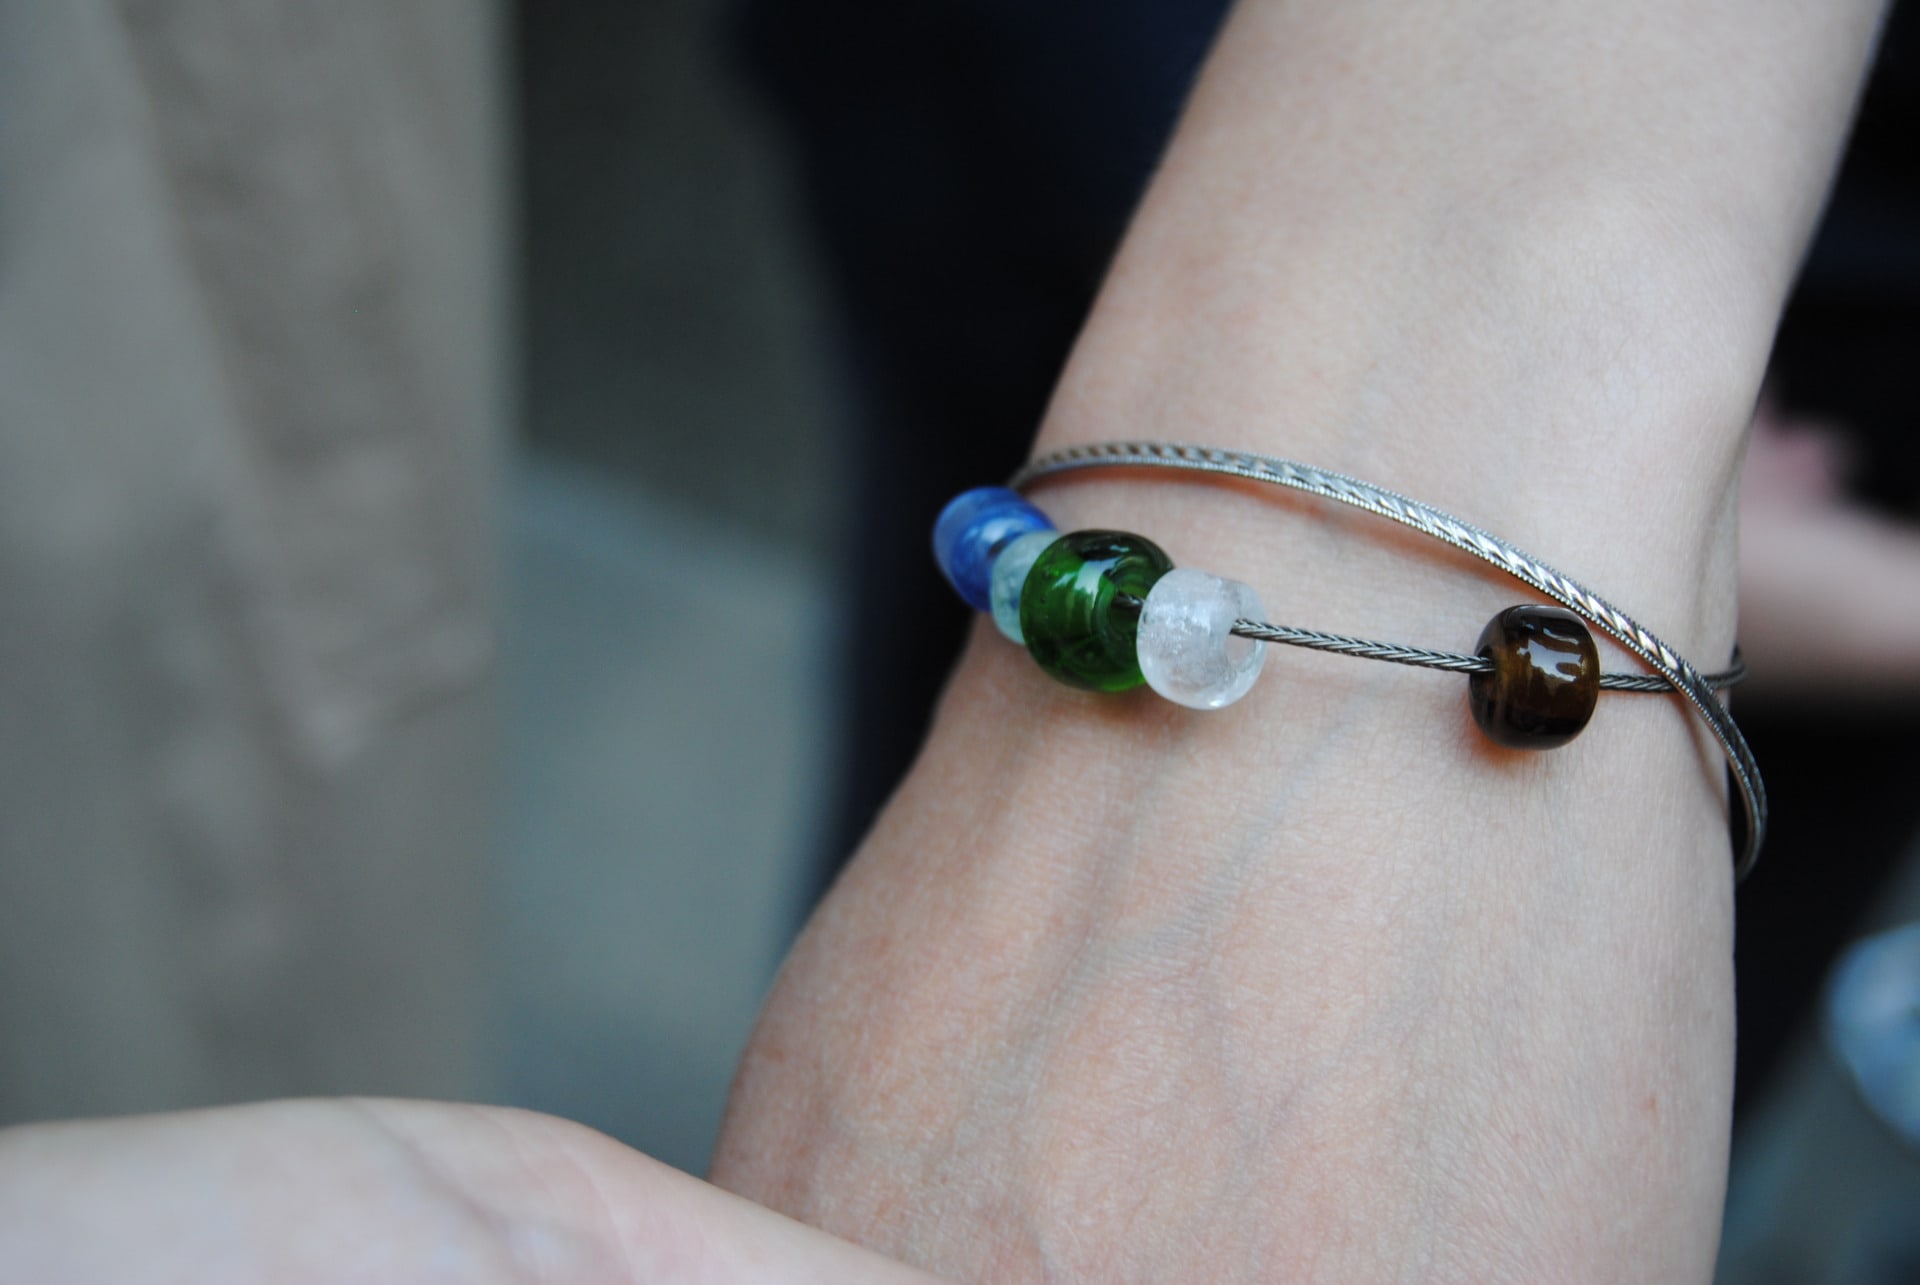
(670, 678)
(673, 320)
(251, 394)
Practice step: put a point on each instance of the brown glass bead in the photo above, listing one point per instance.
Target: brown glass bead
(1545, 679)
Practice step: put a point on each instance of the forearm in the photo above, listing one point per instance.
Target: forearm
(1321, 986)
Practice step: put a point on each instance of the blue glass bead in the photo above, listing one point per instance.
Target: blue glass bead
(971, 532)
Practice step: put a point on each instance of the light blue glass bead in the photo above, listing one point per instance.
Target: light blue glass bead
(971, 532)
(1187, 648)
(1010, 577)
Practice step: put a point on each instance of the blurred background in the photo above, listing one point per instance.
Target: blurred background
(435, 439)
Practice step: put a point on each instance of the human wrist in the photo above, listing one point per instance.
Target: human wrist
(1126, 935)
(1585, 430)
(1321, 986)
(1511, 304)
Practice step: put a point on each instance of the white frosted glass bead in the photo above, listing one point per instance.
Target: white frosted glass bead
(1186, 646)
(1009, 576)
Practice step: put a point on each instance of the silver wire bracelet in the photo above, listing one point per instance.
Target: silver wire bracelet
(1672, 672)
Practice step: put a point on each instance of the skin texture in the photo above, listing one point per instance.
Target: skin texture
(1321, 987)
(299, 1193)
(1325, 987)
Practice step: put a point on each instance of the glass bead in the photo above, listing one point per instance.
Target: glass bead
(1188, 650)
(971, 532)
(1080, 607)
(1010, 576)
(1545, 679)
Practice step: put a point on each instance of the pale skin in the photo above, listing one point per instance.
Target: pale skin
(307, 1193)
(1320, 987)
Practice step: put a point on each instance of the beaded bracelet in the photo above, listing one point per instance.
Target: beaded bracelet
(1108, 611)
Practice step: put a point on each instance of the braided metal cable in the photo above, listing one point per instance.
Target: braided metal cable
(1673, 669)
(1456, 662)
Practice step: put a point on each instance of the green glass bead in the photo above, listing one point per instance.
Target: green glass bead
(1080, 607)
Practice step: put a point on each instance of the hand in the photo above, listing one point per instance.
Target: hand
(1323, 986)
(300, 1193)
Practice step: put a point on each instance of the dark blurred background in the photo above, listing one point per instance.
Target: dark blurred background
(464, 479)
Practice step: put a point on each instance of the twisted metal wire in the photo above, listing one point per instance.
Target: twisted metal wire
(1673, 669)
(1455, 662)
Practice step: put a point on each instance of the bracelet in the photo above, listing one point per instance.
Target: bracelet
(1108, 611)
